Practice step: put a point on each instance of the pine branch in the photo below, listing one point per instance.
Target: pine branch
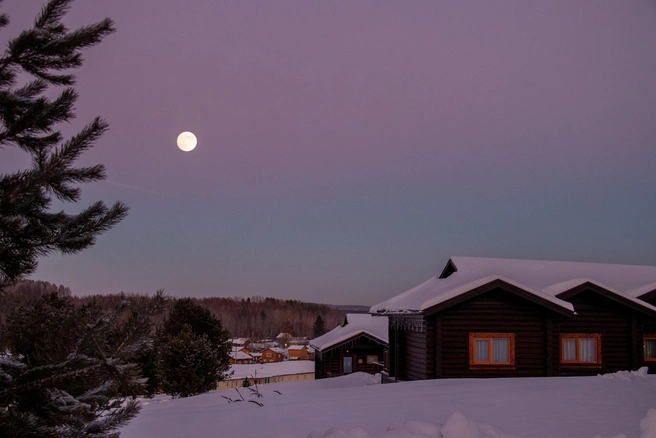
(52, 13)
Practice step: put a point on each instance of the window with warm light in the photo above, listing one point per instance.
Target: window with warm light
(372, 359)
(650, 347)
(492, 349)
(580, 348)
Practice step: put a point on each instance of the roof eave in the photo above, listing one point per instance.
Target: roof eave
(646, 309)
(498, 283)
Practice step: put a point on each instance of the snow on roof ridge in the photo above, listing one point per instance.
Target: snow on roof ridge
(643, 290)
(543, 278)
(488, 279)
(563, 262)
(357, 323)
(240, 355)
(580, 281)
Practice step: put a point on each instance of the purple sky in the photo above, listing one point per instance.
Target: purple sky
(347, 149)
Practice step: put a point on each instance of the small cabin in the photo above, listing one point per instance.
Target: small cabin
(239, 358)
(240, 342)
(356, 346)
(297, 352)
(274, 354)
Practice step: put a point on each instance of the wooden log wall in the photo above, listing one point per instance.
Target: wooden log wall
(613, 321)
(361, 347)
(496, 311)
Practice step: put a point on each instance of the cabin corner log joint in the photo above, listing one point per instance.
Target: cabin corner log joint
(523, 318)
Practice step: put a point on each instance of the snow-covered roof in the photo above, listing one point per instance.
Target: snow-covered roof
(240, 355)
(296, 347)
(357, 323)
(277, 350)
(544, 279)
(239, 341)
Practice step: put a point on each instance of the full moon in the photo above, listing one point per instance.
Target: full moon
(187, 141)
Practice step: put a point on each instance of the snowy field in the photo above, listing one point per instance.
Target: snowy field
(354, 406)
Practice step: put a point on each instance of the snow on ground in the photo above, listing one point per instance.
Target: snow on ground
(271, 369)
(354, 406)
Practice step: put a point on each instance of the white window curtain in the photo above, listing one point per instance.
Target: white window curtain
(650, 349)
(482, 350)
(570, 349)
(500, 350)
(588, 350)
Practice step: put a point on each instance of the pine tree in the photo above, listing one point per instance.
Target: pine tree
(192, 349)
(67, 371)
(71, 371)
(28, 117)
(318, 328)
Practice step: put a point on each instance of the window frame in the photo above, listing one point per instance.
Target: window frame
(473, 337)
(647, 337)
(375, 359)
(578, 337)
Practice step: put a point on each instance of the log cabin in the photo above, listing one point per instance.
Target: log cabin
(484, 317)
(358, 345)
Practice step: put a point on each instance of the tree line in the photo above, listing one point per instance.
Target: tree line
(255, 317)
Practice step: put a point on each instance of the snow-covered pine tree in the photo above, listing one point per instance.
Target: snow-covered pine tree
(67, 371)
(71, 371)
(36, 63)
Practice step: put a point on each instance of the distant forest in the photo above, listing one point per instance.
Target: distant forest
(255, 318)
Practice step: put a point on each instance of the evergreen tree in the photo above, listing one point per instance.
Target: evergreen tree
(318, 328)
(70, 370)
(192, 349)
(67, 370)
(28, 116)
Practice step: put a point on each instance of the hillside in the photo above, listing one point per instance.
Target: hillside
(354, 407)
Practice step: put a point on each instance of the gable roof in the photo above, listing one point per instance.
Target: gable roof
(296, 347)
(240, 355)
(355, 324)
(240, 341)
(544, 281)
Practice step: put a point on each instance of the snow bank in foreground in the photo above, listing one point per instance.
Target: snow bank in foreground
(457, 426)
(647, 426)
(627, 375)
(350, 406)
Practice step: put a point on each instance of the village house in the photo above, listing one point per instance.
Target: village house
(274, 354)
(240, 342)
(357, 345)
(485, 317)
(297, 352)
(239, 357)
